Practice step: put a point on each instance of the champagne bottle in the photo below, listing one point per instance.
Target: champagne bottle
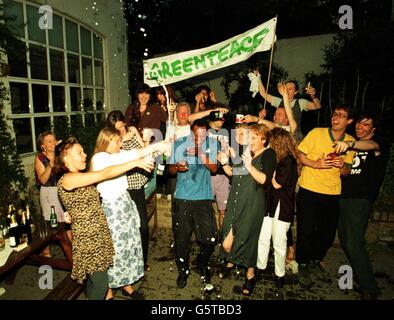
(22, 227)
(14, 232)
(29, 224)
(53, 218)
(26, 225)
(11, 210)
(161, 167)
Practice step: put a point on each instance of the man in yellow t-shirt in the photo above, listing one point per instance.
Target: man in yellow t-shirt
(320, 188)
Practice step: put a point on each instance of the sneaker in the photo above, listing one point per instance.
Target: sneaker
(319, 272)
(181, 281)
(304, 276)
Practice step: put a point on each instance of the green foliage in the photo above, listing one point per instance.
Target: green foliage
(387, 189)
(13, 183)
(359, 67)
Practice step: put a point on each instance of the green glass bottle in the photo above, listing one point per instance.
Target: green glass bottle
(53, 218)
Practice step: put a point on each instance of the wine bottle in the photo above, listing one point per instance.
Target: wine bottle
(29, 225)
(22, 227)
(53, 218)
(11, 210)
(14, 232)
(26, 226)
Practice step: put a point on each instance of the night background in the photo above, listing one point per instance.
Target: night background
(359, 61)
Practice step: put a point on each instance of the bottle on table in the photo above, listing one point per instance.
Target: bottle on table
(26, 227)
(53, 217)
(29, 225)
(13, 232)
(22, 227)
(11, 210)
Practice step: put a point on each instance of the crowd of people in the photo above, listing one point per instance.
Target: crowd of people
(259, 176)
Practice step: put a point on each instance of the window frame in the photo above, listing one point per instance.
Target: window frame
(82, 86)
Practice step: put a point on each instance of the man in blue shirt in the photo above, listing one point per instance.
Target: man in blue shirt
(193, 159)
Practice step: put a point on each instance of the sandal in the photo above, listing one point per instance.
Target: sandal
(248, 286)
(225, 271)
(135, 295)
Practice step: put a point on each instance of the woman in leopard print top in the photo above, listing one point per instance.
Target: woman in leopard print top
(93, 249)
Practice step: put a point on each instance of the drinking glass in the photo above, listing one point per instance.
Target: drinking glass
(43, 228)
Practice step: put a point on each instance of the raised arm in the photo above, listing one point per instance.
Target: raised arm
(315, 104)
(289, 111)
(43, 173)
(202, 114)
(362, 145)
(250, 118)
(74, 180)
(223, 160)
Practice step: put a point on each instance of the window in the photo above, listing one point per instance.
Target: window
(56, 77)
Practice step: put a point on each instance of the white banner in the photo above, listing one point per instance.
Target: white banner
(188, 64)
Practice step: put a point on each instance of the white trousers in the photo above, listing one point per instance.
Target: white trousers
(276, 229)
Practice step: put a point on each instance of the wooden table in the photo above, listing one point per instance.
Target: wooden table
(31, 254)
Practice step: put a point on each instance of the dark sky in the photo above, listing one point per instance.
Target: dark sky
(178, 25)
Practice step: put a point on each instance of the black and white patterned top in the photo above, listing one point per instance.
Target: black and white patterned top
(136, 178)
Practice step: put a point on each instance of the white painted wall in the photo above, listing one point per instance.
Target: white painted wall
(301, 55)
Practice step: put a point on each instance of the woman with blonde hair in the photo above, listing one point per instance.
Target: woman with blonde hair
(280, 203)
(93, 248)
(121, 213)
(243, 218)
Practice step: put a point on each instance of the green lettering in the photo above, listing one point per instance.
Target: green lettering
(222, 55)
(176, 68)
(246, 49)
(186, 65)
(155, 72)
(210, 56)
(235, 48)
(201, 61)
(165, 69)
(258, 37)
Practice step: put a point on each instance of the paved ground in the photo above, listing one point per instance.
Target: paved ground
(160, 282)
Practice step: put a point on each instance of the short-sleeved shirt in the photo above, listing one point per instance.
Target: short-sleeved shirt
(152, 117)
(276, 102)
(365, 177)
(325, 181)
(195, 183)
(112, 188)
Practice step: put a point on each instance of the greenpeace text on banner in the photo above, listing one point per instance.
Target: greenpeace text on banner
(184, 65)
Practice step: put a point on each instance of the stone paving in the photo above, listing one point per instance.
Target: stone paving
(160, 282)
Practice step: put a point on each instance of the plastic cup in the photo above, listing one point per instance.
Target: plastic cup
(239, 118)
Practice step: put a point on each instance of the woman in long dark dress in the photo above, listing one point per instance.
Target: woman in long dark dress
(245, 207)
